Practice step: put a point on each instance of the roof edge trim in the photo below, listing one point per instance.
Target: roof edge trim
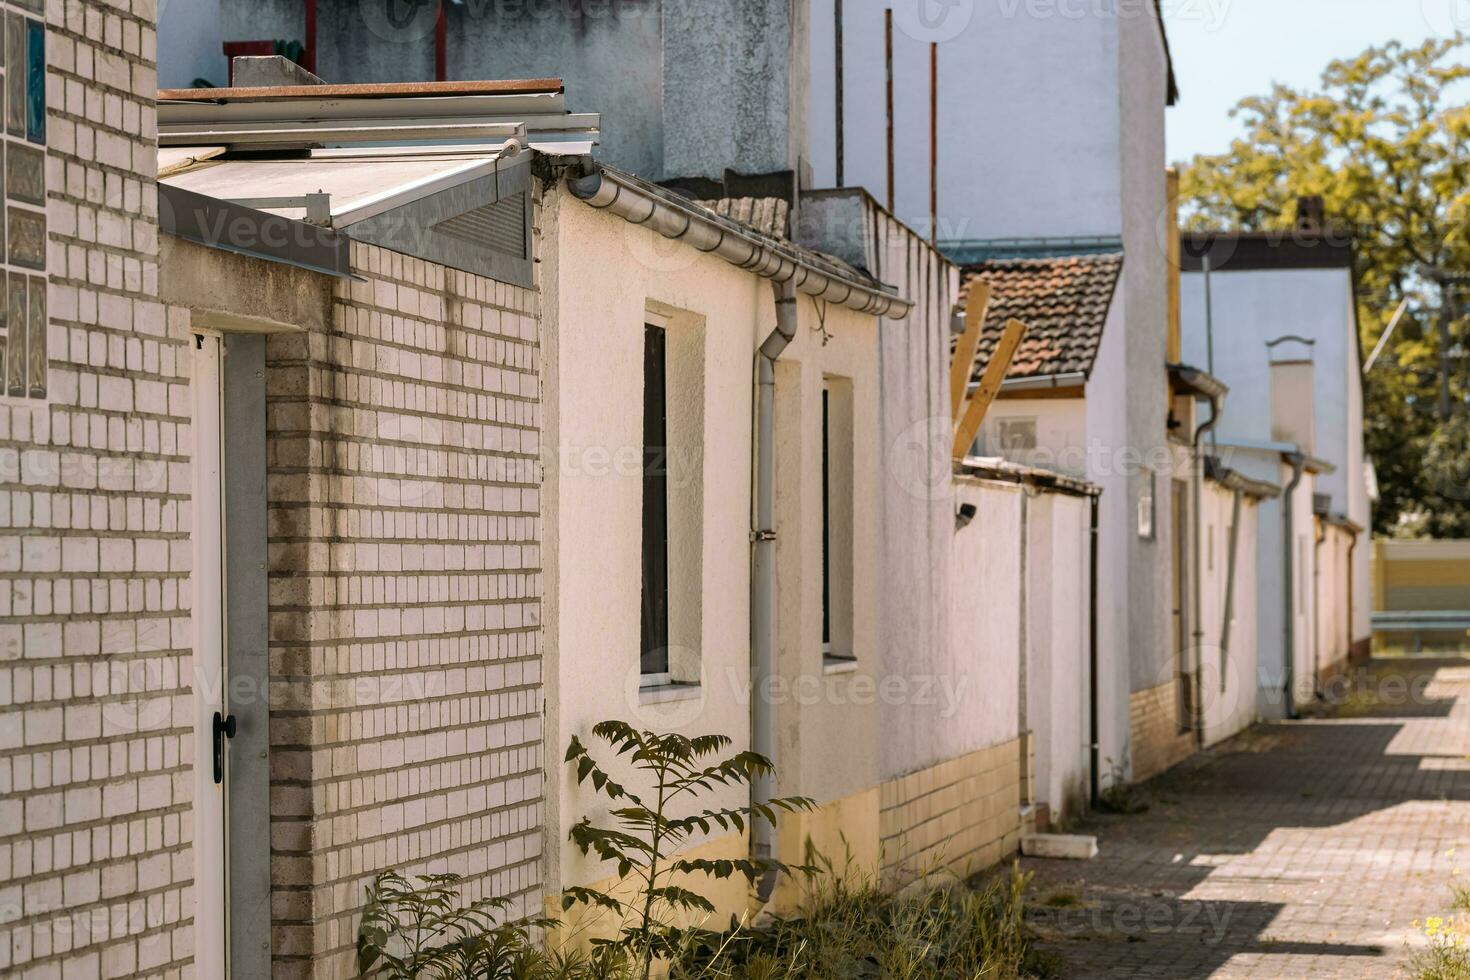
(641, 203)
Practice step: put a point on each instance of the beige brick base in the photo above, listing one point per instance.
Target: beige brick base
(962, 815)
(1153, 721)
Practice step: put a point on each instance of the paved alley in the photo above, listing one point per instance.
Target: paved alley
(1305, 849)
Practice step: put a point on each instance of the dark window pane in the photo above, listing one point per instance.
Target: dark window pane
(35, 82)
(655, 618)
(826, 521)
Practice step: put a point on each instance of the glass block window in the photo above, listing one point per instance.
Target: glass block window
(23, 321)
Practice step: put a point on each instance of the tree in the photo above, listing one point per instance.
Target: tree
(1384, 143)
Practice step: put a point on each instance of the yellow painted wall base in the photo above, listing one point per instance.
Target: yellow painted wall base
(1158, 744)
(959, 817)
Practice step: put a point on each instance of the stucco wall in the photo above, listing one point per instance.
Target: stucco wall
(1061, 433)
(594, 314)
(189, 33)
(827, 739)
(1229, 672)
(1057, 657)
(1251, 308)
(917, 524)
(1002, 67)
(986, 614)
(1117, 523)
(1143, 82)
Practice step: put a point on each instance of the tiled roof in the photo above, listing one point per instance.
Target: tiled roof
(1063, 301)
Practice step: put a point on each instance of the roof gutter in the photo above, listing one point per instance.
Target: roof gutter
(1236, 481)
(1071, 379)
(641, 203)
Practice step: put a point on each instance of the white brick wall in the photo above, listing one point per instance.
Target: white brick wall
(405, 575)
(94, 868)
(405, 583)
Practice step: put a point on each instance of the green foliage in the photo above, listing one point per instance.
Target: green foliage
(1384, 142)
(425, 932)
(1120, 796)
(646, 834)
(852, 929)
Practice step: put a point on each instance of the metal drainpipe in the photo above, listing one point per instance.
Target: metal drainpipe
(1288, 628)
(1229, 613)
(763, 577)
(1199, 568)
(1318, 537)
(1094, 726)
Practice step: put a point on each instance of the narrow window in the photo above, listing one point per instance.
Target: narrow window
(837, 522)
(826, 521)
(655, 614)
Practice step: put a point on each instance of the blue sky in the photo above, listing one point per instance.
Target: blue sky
(1225, 50)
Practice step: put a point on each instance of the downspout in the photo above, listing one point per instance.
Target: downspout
(1288, 628)
(763, 579)
(1229, 612)
(1352, 547)
(1093, 725)
(1199, 570)
(1319, 536)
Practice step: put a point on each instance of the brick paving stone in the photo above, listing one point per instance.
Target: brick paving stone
(1303, 849)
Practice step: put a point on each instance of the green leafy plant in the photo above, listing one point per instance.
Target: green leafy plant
(424, 931)
(646, 836)
(1120, 796)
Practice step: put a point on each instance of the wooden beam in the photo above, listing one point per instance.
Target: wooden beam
(977, 302)
(995, 373)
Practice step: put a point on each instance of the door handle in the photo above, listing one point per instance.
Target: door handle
(224, 727)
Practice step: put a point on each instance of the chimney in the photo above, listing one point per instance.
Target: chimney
(1292, 395)
(1311, 213)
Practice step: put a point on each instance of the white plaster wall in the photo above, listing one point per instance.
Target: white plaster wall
(1229, 673)
(1061, 433)
(986, 614)
(1143, 291)
(827, 724)
(918, 505)
(1057, 700)
(599, 275)
(1029, 114)
(1253, 307)
(1117, 525)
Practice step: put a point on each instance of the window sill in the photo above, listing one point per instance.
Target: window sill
(839, 665)
(666, 693)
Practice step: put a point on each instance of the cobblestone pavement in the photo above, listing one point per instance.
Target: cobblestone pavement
(1304, 849)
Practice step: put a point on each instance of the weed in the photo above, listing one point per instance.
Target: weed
(851, 928)
(1062, 900)
(1447, 957)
